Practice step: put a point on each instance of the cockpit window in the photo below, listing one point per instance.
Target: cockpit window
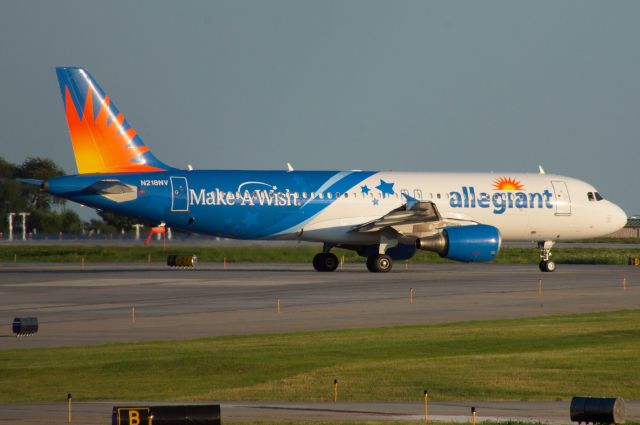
(590, 196)
(598, 197)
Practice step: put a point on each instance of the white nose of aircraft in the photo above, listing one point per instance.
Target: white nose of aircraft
(616, 217)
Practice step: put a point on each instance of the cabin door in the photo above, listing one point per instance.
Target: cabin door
(563, 201)
(179, 194)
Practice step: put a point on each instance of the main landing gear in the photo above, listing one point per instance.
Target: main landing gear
(325, 262)
(328, 262)
(379, 263)
(546, 265)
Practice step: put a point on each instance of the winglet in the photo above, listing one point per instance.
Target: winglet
(411, 201)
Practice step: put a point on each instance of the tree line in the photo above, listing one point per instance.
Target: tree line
(48, 214)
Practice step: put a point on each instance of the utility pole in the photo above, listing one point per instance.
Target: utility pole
(10, 218)
(138, 226)
(24, 224)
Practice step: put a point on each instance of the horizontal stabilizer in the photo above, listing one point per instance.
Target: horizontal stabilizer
(114, 190)
(34, 182)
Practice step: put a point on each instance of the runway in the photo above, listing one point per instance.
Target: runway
(95, 413)
(77, 306)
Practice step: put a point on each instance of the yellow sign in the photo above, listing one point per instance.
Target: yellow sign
(134, 416)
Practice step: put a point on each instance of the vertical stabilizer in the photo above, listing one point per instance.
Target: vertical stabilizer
(102, 139)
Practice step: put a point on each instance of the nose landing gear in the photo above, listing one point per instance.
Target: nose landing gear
(546, 265)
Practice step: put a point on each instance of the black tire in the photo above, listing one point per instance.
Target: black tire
(371, 264)
(542, 266)
(547, 266)
(325, 262)
(318, 262)
(331, 262)
(379, 263)
(551, 266)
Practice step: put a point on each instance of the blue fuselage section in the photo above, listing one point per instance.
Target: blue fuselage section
(235, 204)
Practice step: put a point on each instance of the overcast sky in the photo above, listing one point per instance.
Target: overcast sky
(401, 85)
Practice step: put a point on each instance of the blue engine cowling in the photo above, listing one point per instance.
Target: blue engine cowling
(464, 243)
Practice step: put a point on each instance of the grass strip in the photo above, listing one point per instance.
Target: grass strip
(292, 254)
(546, 358)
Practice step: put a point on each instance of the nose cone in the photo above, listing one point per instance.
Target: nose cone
(616, 218)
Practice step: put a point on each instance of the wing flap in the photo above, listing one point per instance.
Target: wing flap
(413, 212)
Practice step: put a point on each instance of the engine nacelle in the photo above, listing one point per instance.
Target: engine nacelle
(464, 243)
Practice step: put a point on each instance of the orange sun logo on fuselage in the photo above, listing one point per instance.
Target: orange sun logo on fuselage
(507, 183)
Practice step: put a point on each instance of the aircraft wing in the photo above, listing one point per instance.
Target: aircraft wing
(414, 212)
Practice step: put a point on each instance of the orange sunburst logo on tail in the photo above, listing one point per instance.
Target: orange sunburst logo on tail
(102, 144)
(507, 183)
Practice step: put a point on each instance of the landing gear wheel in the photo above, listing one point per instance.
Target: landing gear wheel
(547, 266)
(379, 263)
(325, 262)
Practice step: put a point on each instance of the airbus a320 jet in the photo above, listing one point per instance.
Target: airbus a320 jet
(382, 215)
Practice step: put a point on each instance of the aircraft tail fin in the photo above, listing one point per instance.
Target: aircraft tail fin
(102, 139)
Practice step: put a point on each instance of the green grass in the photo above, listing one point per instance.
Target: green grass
(546, 358)
(299, 254)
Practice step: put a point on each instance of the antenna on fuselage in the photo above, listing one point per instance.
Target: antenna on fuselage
(289, 167)
(541, 169)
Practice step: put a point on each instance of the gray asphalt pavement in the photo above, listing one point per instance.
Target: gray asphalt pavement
(94, 305)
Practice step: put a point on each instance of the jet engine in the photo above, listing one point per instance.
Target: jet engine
(464, 243)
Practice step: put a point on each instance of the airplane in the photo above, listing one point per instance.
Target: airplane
(381, 215)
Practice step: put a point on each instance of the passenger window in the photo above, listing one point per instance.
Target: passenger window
(304, 195)
(417, 194)
(590, 196)
(320, 195)
(438, 196)
(346, 194)
(329, 195)
(337, 195)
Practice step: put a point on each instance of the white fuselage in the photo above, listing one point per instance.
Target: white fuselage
(540, 207)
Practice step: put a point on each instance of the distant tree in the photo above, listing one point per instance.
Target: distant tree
(18, 197)
(41, 169)
(11, 197)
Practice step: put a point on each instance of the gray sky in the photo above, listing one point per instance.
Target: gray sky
(402, 85)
